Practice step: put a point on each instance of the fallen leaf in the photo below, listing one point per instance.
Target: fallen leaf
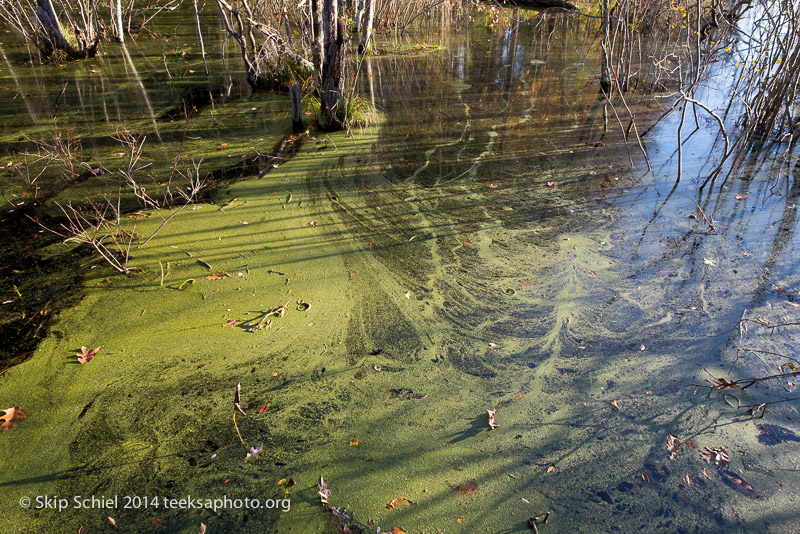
(642, 347)
(741, 197)
(408, 294)
(493, 186)
(688, 480)
(399, 500)
(9, 415)
(313, 224)
(716, 454)
(492, 424)
(721, 383)
(237, 402)
(709, 262)
(230, 323)
(202, 529)
(738, 484)
(264, 408)
(111, 520)
(215, 276)
(673, 445)
(460, 520)
(354, 443)
(86, 355)
(551, 184)
(645, 478)
(351, 274)
(551, 469)
(254, 451)
(705, 474)
(323, 491)
(398, 530)
(275, 373)
(615, 405)
(224, 144)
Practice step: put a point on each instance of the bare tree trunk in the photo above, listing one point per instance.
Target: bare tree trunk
(605, 78)
(332, 94)
(297, 107)
(116, 15)
(199, 36)
(52, 36)
(318, 42)
(366, 30)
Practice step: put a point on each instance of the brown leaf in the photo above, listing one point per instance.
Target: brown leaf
(492, 424)
(715, 454)
(215, 276)
(741, 197)
(551, 469)
(202, 529)
(111, 520)
(721, 383)
(399, 500)
(8, 416)
(645, 478)
(738, 484)
(615, 405)
(237, 401)
(230, 323)
(688, 480)
(398, 530)
(86, 355)
(673, 445)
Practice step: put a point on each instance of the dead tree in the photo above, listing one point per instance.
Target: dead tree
(332, 76)
(39, 24)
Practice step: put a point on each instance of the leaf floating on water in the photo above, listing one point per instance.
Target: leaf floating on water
(716, 454)
(721, 383)
(399, 500)
(202, 529)
(354, 443)
(492, 424)
(111, 520)
(737, 483)
(614, 405)
(323, 491)
(408, 294)
(551, 184)
(86, 355)
(215, 276)
(551, 469)
(237, 401)
(313, 224)
(526, 501)
(645, 478)
(9, 415)
(264, 408)
(254, 452)
(230, 323)
(741, 197)
(674, 446)
(688, 480)
(709, 262)
(398, 530)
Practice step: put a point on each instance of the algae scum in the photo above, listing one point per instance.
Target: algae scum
(482, 247)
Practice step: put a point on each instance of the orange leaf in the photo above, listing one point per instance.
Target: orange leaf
(615, 405)
(551, 469)
(398, 530)
(8, 416)
(399, 500)
(354, 443)
(215, 276)
(230, 323)
(86, 355)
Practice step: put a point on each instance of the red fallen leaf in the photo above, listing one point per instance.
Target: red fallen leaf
(779, 290)
(215, 276)
(492, 424)
(86, 355)
(399, 500)
(9, 415)
(230, 323)
(264, 408)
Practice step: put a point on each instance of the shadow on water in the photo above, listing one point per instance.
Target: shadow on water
(485, 247)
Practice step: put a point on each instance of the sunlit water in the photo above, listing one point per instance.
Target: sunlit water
(487, 246)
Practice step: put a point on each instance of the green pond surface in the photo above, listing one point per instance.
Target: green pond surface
(484, 245)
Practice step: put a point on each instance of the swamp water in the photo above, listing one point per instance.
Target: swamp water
(482, 247)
